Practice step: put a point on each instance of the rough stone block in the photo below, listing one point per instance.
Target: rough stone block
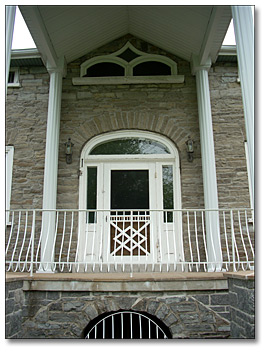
(184, 307)
(188, 318)
(219, 299)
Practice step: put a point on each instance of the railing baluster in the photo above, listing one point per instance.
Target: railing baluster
(241, 233)
(61, 266)
(204, 242)
(249, 240)
(70, 239)
(226, 240)
(197, 245)
(33, 242)
(190, 246)
(22, 246)
(16, 242)
(167, 239)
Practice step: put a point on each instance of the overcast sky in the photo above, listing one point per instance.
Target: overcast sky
(22, 38)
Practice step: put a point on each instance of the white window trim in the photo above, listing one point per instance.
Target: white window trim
(9, 168)
(128, 66)
(16, 82)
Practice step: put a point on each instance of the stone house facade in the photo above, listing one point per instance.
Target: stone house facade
(69, 294)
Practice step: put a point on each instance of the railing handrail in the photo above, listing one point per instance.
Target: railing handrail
(108, 210)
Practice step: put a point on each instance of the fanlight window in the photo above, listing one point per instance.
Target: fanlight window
(130, 146)
(128, 61)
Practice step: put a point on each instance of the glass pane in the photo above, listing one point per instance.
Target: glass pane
(91, 192)
(130, 189)
(104, 70)
(130, 146)
(167, 177)
(151, 68)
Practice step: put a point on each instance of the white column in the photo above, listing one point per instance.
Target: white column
(244, 36)
(10, 20)
(208, 164)
(51, 166)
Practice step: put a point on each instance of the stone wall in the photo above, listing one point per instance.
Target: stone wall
(48, 314)
(14, 305)
(242, 307)
(26, 119)
(229, 136)
(188, 314)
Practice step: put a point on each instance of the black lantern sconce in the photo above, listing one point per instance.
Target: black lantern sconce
(190, 149)
(69, 146)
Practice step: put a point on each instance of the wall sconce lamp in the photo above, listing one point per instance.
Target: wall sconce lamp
(69, 146)
(190, 149)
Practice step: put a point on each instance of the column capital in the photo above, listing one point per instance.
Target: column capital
(197, 66)
(60, 68)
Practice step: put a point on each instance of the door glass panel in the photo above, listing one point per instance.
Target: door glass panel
(167, 177)
(91, 192)
(130, 146)
(130, 189)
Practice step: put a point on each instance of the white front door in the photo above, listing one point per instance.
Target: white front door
(130, 195)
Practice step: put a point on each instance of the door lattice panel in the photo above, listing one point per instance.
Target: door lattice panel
(130, 235)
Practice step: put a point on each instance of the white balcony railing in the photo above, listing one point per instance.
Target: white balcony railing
(129, 241)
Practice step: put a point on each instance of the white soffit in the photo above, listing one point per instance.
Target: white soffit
(73, 31)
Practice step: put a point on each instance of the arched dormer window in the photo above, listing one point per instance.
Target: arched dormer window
(128, 65)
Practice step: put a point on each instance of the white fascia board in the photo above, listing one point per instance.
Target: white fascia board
(216, 26)
(39, 33)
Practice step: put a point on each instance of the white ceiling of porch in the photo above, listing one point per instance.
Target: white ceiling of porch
(73, 31)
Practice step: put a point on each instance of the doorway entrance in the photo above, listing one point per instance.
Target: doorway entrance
(130, 186)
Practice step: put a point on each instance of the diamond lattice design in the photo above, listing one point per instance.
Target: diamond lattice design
(130, 235)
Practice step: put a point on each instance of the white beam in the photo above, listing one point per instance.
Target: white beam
(244, 37)
(39, 33)
(10, 20)
(217, 26)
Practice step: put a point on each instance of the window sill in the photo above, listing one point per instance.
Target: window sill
(128, 80)
(17, 84)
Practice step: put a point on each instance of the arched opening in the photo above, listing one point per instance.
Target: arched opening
(126, 324)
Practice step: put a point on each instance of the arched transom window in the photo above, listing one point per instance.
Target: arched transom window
(128, 65)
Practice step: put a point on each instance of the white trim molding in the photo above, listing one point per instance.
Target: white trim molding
(10, 20)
